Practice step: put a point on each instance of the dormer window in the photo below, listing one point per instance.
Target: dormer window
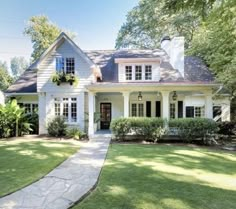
(148, 72)
(128, 73)
(65, 65)
(138, 72)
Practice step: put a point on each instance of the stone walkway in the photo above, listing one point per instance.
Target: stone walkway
(66, 184)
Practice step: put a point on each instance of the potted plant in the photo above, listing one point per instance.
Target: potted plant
(56, 79)
(97, 117)
(59, 78)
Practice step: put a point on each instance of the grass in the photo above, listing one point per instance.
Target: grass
(25, 161)
(164, 177)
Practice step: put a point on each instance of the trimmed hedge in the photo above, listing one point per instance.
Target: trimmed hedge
(149, 128)
(193, 128)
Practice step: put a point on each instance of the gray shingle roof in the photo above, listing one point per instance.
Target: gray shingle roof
(195, 69)
(27, 83)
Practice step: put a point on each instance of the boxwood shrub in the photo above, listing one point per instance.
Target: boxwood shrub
(149, 128)
(193, 128)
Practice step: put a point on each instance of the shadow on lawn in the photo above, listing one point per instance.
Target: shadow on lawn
(129, 179)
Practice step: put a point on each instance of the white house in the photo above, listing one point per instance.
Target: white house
(120, 83)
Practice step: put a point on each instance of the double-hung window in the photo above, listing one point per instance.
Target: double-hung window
(138, 72)
(65, 65)
(172, 110)
(128, 73)
(29, 107)
(137, 109)
(195, 111)
(66, 107)
(148, 72)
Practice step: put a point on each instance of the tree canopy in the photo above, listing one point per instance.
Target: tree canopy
(42, 33)
(18, 66)
(5, 79)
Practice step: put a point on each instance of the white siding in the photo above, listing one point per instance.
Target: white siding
(27, 99)
(48, 67)
(155, 72)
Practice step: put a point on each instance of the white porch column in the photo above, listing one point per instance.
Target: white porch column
(91, 101)
(209, 106)
(42, 113)
(126, 104)
(165, 104)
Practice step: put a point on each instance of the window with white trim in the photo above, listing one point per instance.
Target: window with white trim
(65, 65)
(128, 73)
(172, 110)
(137, 109)
(195, 112)
(148, 72)
(66, 107)
(138, 72)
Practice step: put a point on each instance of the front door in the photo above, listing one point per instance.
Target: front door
(105, 110)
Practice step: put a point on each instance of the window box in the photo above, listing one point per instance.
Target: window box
(59, 78)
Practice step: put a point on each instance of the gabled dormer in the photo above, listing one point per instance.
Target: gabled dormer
(139, 69)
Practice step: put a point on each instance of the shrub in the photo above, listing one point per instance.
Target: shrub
(149, 128)
(75, 133)
(193, 128)
(120, 127)
(226, 128)
(12, 120)
(57, 127)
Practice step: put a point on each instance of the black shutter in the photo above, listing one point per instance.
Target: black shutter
(190, 112)
(158, 109)
(148, 109)
(180, 109)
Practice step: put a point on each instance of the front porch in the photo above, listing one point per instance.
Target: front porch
(163, 103)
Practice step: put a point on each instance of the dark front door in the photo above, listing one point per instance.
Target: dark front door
(105, 110)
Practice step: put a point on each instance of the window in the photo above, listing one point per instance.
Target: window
(60, 64)
(137, 110)
(65, 65)
(148, 72)
(138, 72)
(70, 65)
(128, 72)
(172, 110)
(29, 107)
(217, 113)
(66, 107)
(197, 112)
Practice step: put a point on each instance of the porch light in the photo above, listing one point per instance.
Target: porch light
(140, 96)
(174, 97)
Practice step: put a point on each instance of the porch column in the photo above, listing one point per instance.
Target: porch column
(126, 104)
(165, 104)
(209, 106)
(91, 101)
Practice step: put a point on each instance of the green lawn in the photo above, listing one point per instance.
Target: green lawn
(25, 161)
(164, 177)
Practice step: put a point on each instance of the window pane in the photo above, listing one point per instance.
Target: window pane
(35, 107)
(128, 72)
(138, 72)
(172, 110)
(65, 111)
(140, 110)
(134, 110)
(148, 72)
(59, 64)
(189, 112)
(73, 112)
(57, 109)
(70, 65)
(197, 112)
(27, 108)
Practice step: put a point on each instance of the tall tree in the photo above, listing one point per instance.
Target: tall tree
(42, 33)
(18, 66)
(5, 79)
(148, 22)
(215, 42)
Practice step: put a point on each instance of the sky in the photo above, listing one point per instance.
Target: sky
(96, 22)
